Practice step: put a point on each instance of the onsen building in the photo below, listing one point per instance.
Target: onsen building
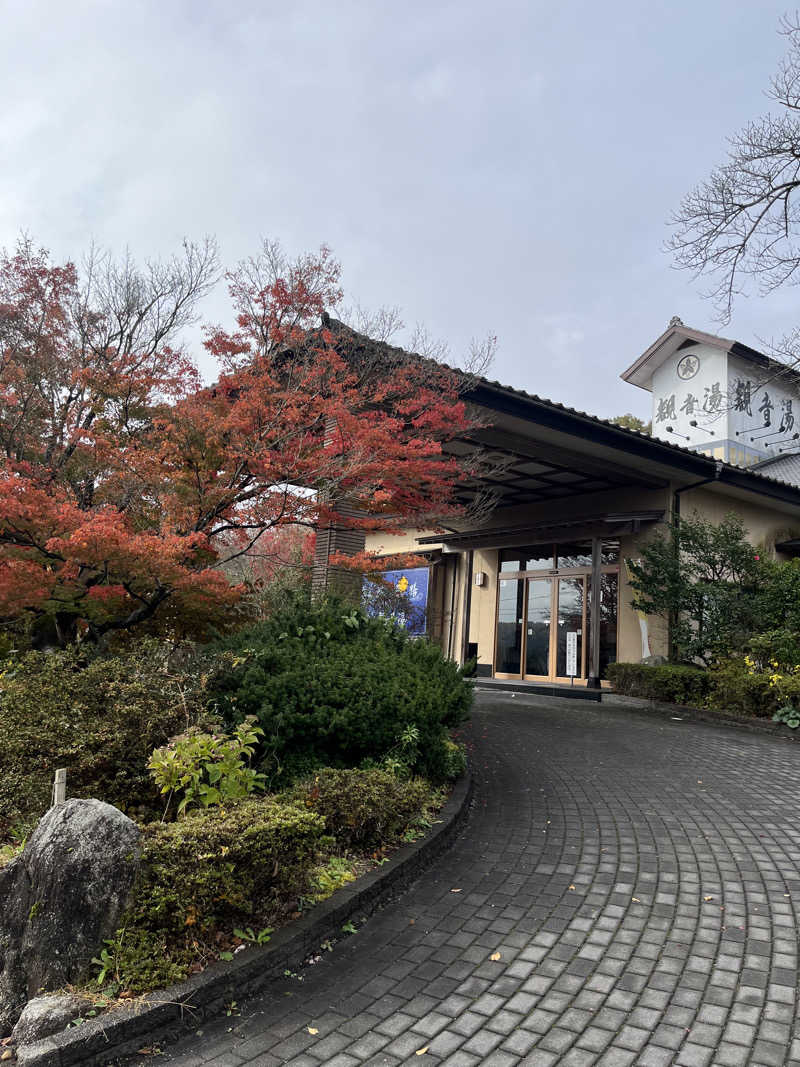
(539, 591)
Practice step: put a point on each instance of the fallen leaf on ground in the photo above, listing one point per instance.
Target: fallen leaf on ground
(495, 956)
(455, 890)
(421, 1051)
(708, 898)
(636, 900)
(312, 1029)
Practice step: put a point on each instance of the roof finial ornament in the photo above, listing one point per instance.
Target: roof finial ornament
(676, 320)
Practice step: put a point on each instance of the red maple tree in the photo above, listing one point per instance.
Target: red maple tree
(126, 483)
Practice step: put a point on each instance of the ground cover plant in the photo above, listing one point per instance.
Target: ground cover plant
(225, 876)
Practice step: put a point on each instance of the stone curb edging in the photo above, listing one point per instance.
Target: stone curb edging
(715, 718)
(610, 698)
(168, 1013)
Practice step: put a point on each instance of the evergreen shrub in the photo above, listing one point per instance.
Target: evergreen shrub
(332, 687)
(210, 872)
(364, 808)
(670, 683)
(98, 716)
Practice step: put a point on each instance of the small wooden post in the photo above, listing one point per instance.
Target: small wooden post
(60, 786)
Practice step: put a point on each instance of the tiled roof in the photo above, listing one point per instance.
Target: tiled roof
(785, 468)
(667, 446)
(792, 477)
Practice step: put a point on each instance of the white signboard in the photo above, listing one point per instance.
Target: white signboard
(572, 653)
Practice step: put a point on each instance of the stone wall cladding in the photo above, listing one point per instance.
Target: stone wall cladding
(167, 1014)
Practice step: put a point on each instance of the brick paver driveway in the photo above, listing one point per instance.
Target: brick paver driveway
(639, 878)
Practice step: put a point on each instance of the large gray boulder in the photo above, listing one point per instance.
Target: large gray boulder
(61, 898)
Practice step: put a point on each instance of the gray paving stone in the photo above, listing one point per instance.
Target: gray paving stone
(586, 975)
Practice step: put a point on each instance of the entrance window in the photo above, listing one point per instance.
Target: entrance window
(569, 619)
(537, 611)
(575, 554)
(540, 558)
(509, 625)
(609, 552)
(537, 641)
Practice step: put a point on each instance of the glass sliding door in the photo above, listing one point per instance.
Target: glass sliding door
(609, 596)
(544, 595)
(510, 606)
(570, 618)
(537, 627)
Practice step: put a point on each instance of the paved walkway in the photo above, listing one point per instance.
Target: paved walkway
(639, 878)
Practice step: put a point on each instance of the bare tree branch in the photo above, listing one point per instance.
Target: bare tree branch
(742, 222)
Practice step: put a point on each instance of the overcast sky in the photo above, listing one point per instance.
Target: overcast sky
(499, 166)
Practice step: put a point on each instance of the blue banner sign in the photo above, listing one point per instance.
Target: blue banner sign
(406, 601)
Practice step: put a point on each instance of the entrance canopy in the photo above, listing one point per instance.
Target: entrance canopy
(579, 485)
(604, 525)
(542, 452)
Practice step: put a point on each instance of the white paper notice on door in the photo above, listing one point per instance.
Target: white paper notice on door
(572, 653)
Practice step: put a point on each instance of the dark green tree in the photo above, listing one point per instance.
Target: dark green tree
(632, 422)
(706, 580)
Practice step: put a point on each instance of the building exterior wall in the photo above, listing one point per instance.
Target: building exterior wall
(742, 412)
(484, 606)
(678, 401)
(764, 524)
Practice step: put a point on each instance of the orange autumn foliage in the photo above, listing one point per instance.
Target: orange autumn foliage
(126, 483)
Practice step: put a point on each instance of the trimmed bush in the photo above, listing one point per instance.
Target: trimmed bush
(737, 690)
(730, 686)
(224, 864)
(332, 687)
(208, 872)
(670, 683)
(364, 808)
(99, 717)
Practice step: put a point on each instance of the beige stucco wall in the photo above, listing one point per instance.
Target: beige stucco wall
(630, 640)
(484, 605)
(392, 544)
(764, 524)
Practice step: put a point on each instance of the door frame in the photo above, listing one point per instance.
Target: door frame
(554, 575)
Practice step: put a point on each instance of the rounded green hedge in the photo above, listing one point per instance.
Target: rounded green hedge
(331, 686)
(363, 808)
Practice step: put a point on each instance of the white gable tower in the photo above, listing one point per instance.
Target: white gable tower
(719, 396)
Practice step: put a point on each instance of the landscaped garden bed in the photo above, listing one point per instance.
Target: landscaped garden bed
(264, 773)
(734, 614)
(735, 689)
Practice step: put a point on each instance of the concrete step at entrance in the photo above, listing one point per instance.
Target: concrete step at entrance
(544, 689)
